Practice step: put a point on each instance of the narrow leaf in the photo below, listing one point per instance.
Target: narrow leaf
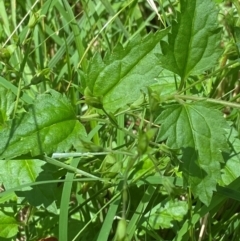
(199, 131)
(49, 125)
(6, 105)
(194, 43)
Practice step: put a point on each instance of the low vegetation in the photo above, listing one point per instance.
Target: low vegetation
(119, 120)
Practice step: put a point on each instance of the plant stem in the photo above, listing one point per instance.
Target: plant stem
(220, 102)
(71, 168)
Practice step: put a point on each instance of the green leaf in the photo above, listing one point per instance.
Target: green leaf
(145, 165)
(167, 83)
(119, 78)
(50, 125)
(110, 167)
(194, 43)
(8, 226)
(11, 87)
(230, 171)
(14, 173)
(199, 131)
(163, 217)
(6, 105)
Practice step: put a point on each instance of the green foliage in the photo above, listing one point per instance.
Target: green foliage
(165, 216)
(133, 67)
(7, 106)
(19, 172)
(199, 131)
(49, 125)
(8, 226)
(194, 43)
(230, 171)
(140, 104)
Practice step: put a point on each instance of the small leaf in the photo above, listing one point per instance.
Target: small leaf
(50, 125)
(194, 43)
(8, 226)
(110, 167)
(34, 19)
(6, 53)
(231, 171)
(6, 105)
(119, 78)
(92, 100)
(163, 217)
(14, 173)
(167, 83)
(143, 140)
(145, 165)
(199, 131)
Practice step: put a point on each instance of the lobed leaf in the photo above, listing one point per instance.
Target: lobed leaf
(199, 131)
(194, 43)
(119, 78)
